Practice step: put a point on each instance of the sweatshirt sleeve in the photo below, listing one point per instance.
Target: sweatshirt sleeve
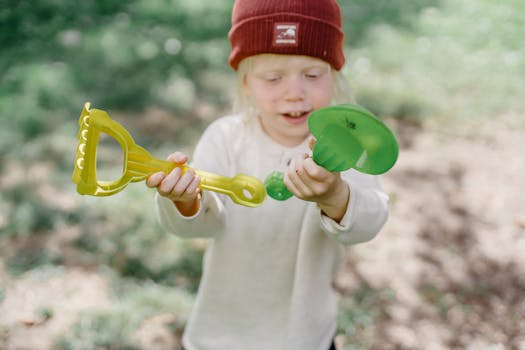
(208, 222)
(366, 213)
(211, 156)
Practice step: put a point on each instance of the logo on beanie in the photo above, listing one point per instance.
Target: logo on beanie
(286, 34)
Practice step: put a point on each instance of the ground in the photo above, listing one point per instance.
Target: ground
(453, 250)
(448, 269)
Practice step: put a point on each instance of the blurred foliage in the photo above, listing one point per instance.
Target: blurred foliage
(117, 327)
(405, 59)
(134, 245)
(361, 15)
(457, 59)
(120, 55)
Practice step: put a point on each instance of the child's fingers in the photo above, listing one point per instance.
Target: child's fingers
(169, 182)
(295, 176)
(298, 166)
(155, 179)
(313, 170)
(291, 184)
(181, 187)
(307, 180)
(193, 187)
(178, 157)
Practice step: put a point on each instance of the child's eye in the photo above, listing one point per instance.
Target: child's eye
(315, 73)
(312, 75)
(272, 78)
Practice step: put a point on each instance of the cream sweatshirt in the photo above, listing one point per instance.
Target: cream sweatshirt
(268, 271)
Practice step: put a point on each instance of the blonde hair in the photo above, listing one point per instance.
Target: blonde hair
(241, 102)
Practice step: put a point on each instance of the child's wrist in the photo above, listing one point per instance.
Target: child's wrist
(188, 208)
(335, 205)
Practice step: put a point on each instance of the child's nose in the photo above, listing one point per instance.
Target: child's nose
(295, 89)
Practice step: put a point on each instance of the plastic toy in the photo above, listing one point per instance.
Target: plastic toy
(347, 136)
(139, 164)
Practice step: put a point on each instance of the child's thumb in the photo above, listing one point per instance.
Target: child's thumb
(311, 143)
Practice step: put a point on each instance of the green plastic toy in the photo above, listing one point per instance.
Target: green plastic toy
(139, 164)
(275, 186)
(347, 136)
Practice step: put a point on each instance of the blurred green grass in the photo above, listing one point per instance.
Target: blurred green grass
(460, 59)
(414, 60)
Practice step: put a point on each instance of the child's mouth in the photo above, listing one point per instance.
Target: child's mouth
(296, 117)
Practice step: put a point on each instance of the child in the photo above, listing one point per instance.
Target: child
(268, 271)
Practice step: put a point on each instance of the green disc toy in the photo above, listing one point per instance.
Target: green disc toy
(275, 186)
(347, 136)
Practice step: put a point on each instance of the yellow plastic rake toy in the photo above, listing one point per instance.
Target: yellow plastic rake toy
(139, 164)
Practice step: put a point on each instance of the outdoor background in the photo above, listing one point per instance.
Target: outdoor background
(81, 272)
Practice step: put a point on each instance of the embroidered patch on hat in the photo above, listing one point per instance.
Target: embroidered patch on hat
(286, 34)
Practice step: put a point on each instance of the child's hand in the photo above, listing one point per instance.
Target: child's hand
(310, 182)
(182, 189)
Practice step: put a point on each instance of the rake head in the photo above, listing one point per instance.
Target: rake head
(91, 123)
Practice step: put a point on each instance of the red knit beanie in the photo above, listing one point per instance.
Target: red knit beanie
(292, 27)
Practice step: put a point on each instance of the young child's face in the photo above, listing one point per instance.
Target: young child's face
(285, 89)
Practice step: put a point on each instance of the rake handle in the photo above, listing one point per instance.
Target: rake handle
(241, 188)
